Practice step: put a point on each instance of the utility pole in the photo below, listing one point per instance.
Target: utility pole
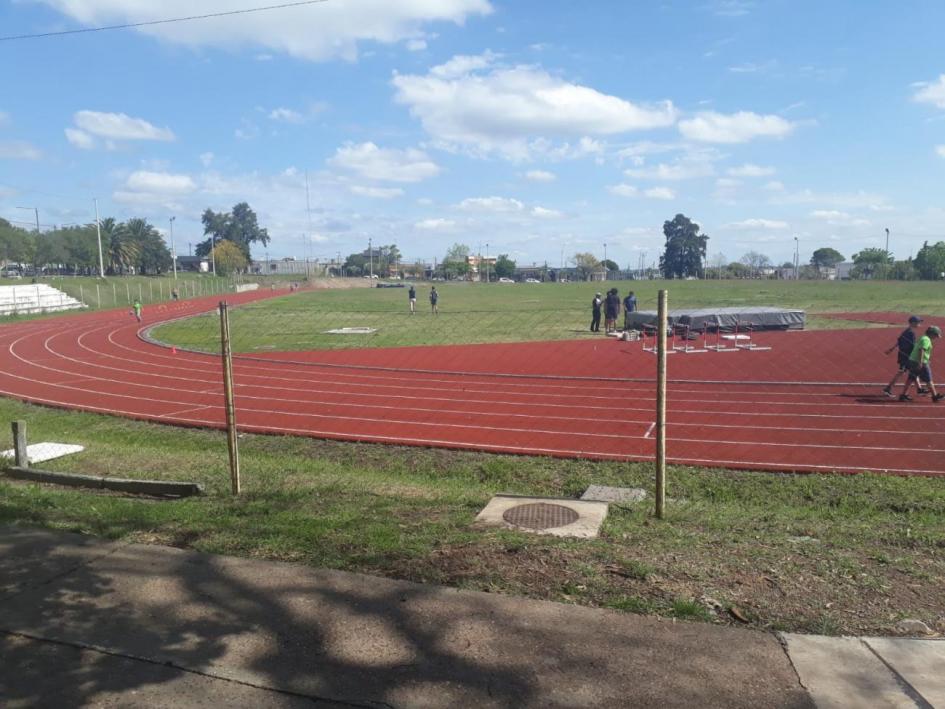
(886, 260)
(605, 261)
(173, 249)
(213, 256)
(797, 257)
(98, 233)
(487, 262)
(370, 249)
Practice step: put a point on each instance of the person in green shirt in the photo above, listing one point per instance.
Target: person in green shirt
(136, 309)
(920, 364)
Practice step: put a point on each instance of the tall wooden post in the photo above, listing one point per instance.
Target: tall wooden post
(231, 439)
(19, 445)
(662, 322)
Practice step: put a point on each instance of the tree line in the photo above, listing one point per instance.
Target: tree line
(132, 246)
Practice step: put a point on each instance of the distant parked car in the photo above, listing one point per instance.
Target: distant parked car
(532, 280)
(506, 280)
(10, 273)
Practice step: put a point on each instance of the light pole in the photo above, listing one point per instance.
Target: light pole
(487, 262)
(35, 211)
(797, 257)
(98, 233)
(370, 249)
(886, 260)
(213, 256)
(173, 250)
(605, 261)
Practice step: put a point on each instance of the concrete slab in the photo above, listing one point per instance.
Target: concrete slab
(921, 663)
(27, 559)
(603, 493)
(840, 673)
(591, 515)
(44, 674)
(41, 452)
(348, 637)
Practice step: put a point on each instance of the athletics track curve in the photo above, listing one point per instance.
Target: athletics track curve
(791, 408)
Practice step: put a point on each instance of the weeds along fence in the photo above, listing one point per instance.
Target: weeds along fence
(492, 369)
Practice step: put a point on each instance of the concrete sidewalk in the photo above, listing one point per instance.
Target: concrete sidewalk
(86, 621)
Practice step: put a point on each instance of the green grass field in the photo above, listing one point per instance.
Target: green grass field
(474, 312)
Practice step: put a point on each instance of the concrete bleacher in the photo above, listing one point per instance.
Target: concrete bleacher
(35, 298)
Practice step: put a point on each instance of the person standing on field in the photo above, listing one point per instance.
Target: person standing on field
(611, 310)
(905, 344)
(595, 313)
(629, 306)
(434, 297)
(412, 298)
(920, 363)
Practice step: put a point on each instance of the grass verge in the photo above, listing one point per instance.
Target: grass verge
(845, 554)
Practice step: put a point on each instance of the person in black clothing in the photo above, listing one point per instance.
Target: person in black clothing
(412, 298)
(629, 305)
(595, 313)
(611, 310)
(905, 344)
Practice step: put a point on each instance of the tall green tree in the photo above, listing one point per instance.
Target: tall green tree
(229, 258)
(456, 263)
(504, 266)
(685, 248)
(16, 245)
(609, 265)
(153, 256)
(239, 226)
(930, 261)
(871, 263)
(585, 264)
(826, 258)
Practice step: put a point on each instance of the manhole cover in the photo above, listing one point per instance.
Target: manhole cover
(540, 515)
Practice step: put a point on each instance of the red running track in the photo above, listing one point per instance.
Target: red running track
(812, 403)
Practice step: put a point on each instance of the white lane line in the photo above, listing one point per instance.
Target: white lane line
(650, 430)
(192, 409)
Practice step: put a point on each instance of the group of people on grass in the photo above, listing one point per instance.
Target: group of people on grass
(611, 308)
(915, 358)
(434, 300)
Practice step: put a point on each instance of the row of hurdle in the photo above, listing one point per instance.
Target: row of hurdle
(741, 339)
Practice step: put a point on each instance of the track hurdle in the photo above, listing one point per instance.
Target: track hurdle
(686, 348)
(750, 346)
(719, 346)
(652, 348)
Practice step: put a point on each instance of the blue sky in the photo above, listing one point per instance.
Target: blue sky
(539, 128)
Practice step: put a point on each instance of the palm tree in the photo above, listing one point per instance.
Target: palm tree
(123, 248)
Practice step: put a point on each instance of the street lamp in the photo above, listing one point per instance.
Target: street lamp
(213, 256)
(797, 257)
(98, 234)
(487, 262)
(370, 249)
(173, 250)
(605, 261)
(886, 260)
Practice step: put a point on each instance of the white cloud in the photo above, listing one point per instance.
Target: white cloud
(4, 118)
(491, 204)
(286, 115)
(386, 164)
(544, 213)
(659, 193)
(80, 139)
(774, 186)
(940, 150)
(416, 45)
(320, 32)
(19, 150)
(471, 103)
(119, 126)
(376, 192)
(752, 224)
(838, 218)
(623, 190)
(932, 92)
(435, 224)
(540, 176)
(206, 159)
(750, 170)
(741, 127)
(732, 8)
(160, 183)
(682, 170)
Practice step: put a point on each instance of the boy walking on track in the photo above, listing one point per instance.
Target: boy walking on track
(905, 344)
(920, 363)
